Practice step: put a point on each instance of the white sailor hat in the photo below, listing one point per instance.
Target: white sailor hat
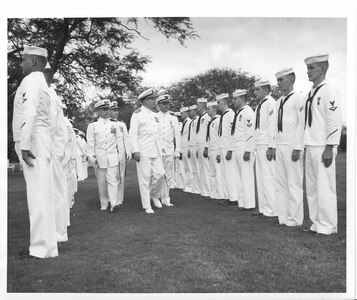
(102, 103)
(201, 100)
(284, 72)
(183, 109)
(162, 98)
(64, 105)
(113, 105)
(31, 50)
(262, 82)
(74, 129)
(316, 59)
(81, 133)
(212, 103)
(238, 93)
(177, 114)
(161, 92)
(193, 107)
(48, 66)
(146, 94)
(222, 96)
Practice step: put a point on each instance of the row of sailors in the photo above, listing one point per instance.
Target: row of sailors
(218, 151)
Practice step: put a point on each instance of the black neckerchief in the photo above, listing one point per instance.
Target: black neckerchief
(235, 120)
(199, 122)
(189, 128)
(257, 119)
(220, 123)
(208, 128)
(281, 112)
(183, 126)
(308, 111)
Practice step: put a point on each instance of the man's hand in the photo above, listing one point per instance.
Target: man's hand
(246, 156)
(136, 156)
(205, 152)
(218, 158)
(189, 154)
(295, 155)
(229, 155)
(26, 155)
(327, 156)
(197, 153)
(271, 154)
(180, 157)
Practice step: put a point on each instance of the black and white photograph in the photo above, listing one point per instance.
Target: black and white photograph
(159, 151)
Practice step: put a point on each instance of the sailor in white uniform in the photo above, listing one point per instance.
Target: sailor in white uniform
(123, 147)
(186, 120)
(179, 168)
(265, 122)
(170, 138)
(201, 131)
(289, 151)
(59, 138)
(145, 141)
(34, 147)
(243, 146)
(321, 139)
(102, 142)
(225, 155)
(212, 150)
(192, 153)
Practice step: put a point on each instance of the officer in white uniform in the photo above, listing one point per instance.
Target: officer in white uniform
(225, 155)
(82, 144)
(289, 149)
(178, 162)
(321, 139)
(201, 131)
(193, 150)
(145, 141)
(243, 146)
(265, 122)
(186, 120)
(211, 151)
(59, 138)
(102, 138)
(169, 135)
(34, 147)
(123, 147)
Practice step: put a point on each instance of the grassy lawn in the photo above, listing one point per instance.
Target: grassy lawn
(197, 246)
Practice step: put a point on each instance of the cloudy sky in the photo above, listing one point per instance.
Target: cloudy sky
(260, 46)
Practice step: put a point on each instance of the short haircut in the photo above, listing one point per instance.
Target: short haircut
(267, 88)
(292, 77)
(323, 65)
(48, 75)
(41, 61)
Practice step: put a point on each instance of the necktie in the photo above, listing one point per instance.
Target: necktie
(281, 112)
(199, 122)
(235, 121)
(308, 112)
(257, 119)
(220, 123)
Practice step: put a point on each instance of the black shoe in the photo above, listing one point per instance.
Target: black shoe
(308, 231)
(278, 224)
(238, 208)
(25, 255)
(257, 214)
(115, 209)
(233, 203)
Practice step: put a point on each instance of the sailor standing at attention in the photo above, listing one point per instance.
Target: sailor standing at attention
(145, 141)
(188, 178)
(201, 131)
(265, 122)
(321, 139)
(34, 147)
(243, 145)
(192, 153)
(289, 149)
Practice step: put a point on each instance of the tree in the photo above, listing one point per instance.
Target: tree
(91, 56)
(211, 83)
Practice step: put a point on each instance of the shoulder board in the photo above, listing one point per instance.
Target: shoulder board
(137, 110)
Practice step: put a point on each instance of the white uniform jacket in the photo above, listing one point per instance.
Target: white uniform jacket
(265, 122)
(243, 129)
(192, 136)
(144, 133)
(184, 134)
(224, 131)
(212, 134)
(289, 130)
(102, 142)
(325, 122)
(201, 128)
(170, 133)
